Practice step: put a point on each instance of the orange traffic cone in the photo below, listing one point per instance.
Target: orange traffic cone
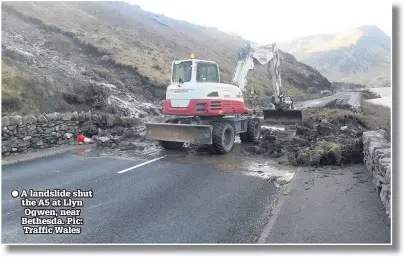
(83, 139)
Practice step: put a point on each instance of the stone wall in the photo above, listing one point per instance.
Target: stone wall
(377, 159)
(22, 133)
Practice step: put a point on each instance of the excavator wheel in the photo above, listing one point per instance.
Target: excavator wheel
(222, 138)
(253, 131)
(243, 137)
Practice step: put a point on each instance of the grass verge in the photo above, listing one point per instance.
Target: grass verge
(378, 117)
(15, 91)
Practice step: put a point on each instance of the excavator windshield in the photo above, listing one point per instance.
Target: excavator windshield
(207, 72)
(182, 71)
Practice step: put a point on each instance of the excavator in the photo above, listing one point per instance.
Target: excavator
(209, 112)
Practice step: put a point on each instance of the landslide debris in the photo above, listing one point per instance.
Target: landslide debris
(328, 136)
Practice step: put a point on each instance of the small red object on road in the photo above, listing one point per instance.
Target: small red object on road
(80, 138)
(83, 139)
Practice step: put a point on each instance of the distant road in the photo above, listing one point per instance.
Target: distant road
(323, 101)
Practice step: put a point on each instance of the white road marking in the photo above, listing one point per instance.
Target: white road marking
(139, 165)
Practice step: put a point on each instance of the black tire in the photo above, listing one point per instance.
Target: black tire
(169, 145)
(211, 149)
(222, 138)
(253, 131)
(243, 137)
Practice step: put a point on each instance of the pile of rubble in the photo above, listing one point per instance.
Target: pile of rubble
(112, 139)
(326, 137)
(129, 139)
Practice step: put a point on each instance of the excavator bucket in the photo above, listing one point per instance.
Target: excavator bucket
(188, 133)
(284, 117)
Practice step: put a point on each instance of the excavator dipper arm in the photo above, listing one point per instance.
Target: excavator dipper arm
(248, 57)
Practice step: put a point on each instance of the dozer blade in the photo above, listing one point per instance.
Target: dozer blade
(188, 133)
(284, 117)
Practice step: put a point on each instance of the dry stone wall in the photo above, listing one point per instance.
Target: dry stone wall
(22, 133)
(377, 159)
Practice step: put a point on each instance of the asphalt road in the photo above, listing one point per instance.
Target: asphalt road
(329, 205)
(198, 198)
(165, 201)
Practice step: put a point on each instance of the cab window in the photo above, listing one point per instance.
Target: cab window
(182, 72)
(207, 72)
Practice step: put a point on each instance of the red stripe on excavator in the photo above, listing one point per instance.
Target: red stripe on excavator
(212, 108)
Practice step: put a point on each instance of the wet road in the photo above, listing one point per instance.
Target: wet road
(194, 197)
(175, 199)
(329, 205)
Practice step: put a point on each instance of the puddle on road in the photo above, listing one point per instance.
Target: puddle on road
(237, 161)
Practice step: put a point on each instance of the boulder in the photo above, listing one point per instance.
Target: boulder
(42, 119)
(51, 116)
(5, 121)
(15, 120)
(75, 115)
(66, 116)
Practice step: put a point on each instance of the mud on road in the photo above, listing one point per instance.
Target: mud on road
(325, 137)
(328, 135)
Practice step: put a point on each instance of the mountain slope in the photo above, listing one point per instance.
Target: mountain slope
(360, 55)
(65, 50)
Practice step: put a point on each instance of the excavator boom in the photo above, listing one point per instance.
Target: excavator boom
(283, 111)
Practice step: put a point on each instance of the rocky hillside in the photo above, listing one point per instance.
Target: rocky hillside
(360, 55)
(112, 56)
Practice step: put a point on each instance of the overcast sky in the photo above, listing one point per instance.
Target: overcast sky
(267, 21)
